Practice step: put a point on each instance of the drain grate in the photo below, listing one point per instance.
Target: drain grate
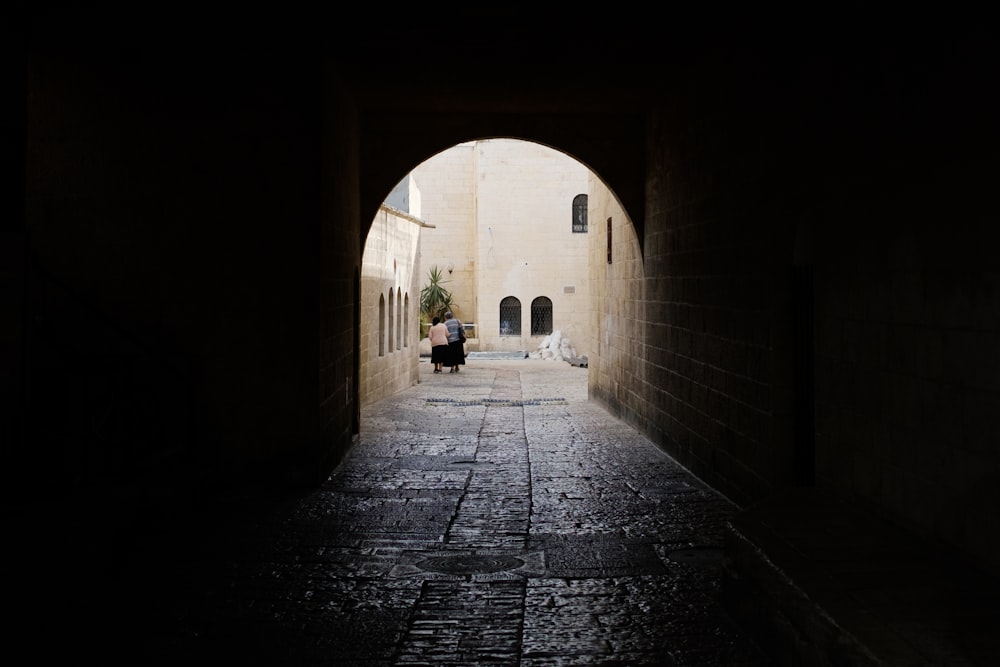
(470, 563)
(501, 402)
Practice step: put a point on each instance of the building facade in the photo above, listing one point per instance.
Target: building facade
(389, 305)
(510, 235)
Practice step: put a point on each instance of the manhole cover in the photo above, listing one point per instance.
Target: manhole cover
(697, 556)
(470, 563)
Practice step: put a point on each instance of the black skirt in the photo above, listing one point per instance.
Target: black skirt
(456, 353)
(440, 354)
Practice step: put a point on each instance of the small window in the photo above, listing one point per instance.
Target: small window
(541, 316)
(399, 319)
(580, 214)
(381, 325)
(392, 319)
(609, 240)
(510, 316)
(406, 320)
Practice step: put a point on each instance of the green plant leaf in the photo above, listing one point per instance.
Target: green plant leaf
(435, 299)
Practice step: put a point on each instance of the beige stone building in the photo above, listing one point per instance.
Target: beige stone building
(616, 345)
(506, 222)
(510, 234)
(390, 301)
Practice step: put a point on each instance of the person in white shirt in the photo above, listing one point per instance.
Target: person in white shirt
(438, 335)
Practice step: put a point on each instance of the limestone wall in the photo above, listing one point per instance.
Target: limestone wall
(447, 183)
(502, 216)
(616, 360)
(691, 342)
(527, 247)
(907, 338)
(390, 302)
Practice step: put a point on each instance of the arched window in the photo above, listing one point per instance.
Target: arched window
(381, 325)
(406, 320)
(580, 214)
(392, 317)
(399, 319)
(609, 241)
(510, 316)
(541, 316)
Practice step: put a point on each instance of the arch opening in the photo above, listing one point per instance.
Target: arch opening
(490, 217)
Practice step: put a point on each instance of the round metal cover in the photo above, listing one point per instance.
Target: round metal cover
(470, 563)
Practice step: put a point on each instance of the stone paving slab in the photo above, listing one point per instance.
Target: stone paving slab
(499, 528)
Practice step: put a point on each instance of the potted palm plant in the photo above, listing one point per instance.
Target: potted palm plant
(435, 299)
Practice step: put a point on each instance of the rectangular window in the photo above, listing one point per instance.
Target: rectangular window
(609, 240)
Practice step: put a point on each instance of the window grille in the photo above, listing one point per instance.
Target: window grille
(541, 316)
(580, 214)
(510, 316)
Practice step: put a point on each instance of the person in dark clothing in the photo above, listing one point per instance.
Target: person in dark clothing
(456, 342)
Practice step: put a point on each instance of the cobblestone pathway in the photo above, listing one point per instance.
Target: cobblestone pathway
(493, 517)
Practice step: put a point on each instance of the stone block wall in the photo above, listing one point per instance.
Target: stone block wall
(692, 332)
(782, 275)
(339, 299)
(178, 205)
(447, 185)
(502, 214)
(617, 328)
(527, 247)
(908, 356)
(390, 306)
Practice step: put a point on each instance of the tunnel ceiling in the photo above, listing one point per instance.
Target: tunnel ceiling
(407, 119)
